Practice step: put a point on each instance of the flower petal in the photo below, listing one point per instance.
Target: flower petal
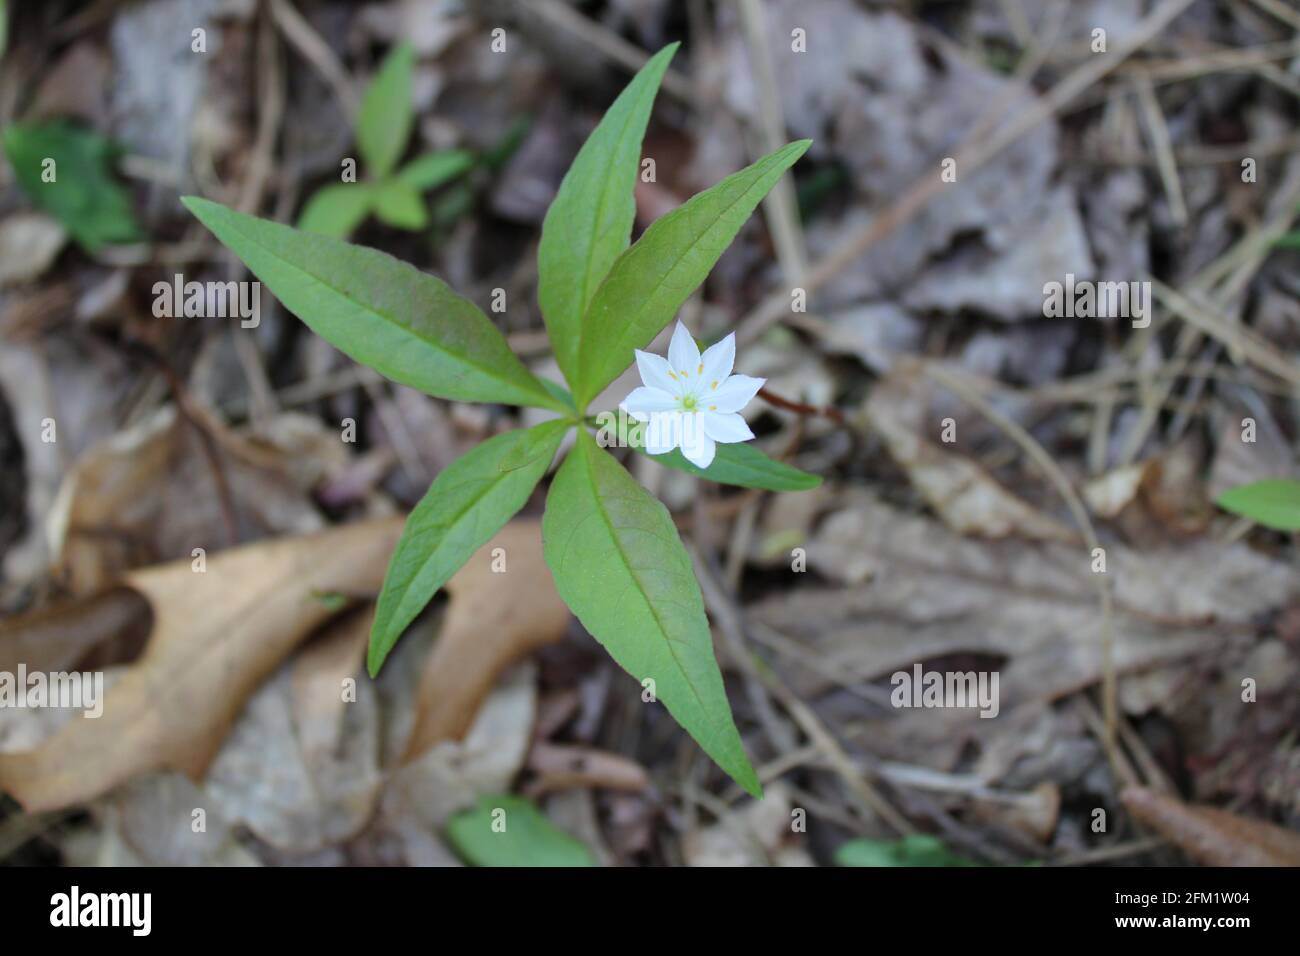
(726, 427)
(656, 373)
(646, 400)
(718, 360)
(700, 452)
(684, 354)
(663, 433)
(731, 395)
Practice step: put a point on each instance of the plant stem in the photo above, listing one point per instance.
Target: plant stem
(825, 411)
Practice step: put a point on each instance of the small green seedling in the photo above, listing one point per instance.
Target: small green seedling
(504, 830)
(612, 548)
(383, 130)
(68, 172)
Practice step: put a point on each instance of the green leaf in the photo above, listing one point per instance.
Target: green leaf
(590, 221)
(649, 282)
(386, 314)
(336, 210)
(1273, 502)
(619, 564)
(433, 169)
(84, 196)
(384, 122)
(469, 502)
(509, 831)
(744, 465)
(916, 849)
(400, 205)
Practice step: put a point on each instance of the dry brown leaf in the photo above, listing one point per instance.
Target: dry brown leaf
(960, 491)
(913, 591)
(1212, 836)
(216, 637)
(317, 676)
(149, 824)
(451, 774)
(153, 818)
(494, 620)
(78, 382)
(300, 768)
(153, 493)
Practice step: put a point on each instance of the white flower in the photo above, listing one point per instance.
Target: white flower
(691, 401)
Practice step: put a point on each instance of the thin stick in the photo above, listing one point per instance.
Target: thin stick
(1158, 133)
(823, 411)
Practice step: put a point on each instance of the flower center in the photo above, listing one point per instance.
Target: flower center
(690, 403)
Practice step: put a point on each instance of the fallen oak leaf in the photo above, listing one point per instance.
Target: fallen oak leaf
(1212, 836)
(495, 618)
(216, 637)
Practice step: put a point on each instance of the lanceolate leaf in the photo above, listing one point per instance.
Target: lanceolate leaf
(619, 564)
(384, 313)
(1273, 502)
(590, 220)
(466, 505)
(336, 210)
(384, 122)
(744, 465)
(434, 169)
(648, 283)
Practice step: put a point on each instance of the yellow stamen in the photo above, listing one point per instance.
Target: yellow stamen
(685, 374)
(714, 385)
(713, 408)
(701, 369)
(672, 375)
